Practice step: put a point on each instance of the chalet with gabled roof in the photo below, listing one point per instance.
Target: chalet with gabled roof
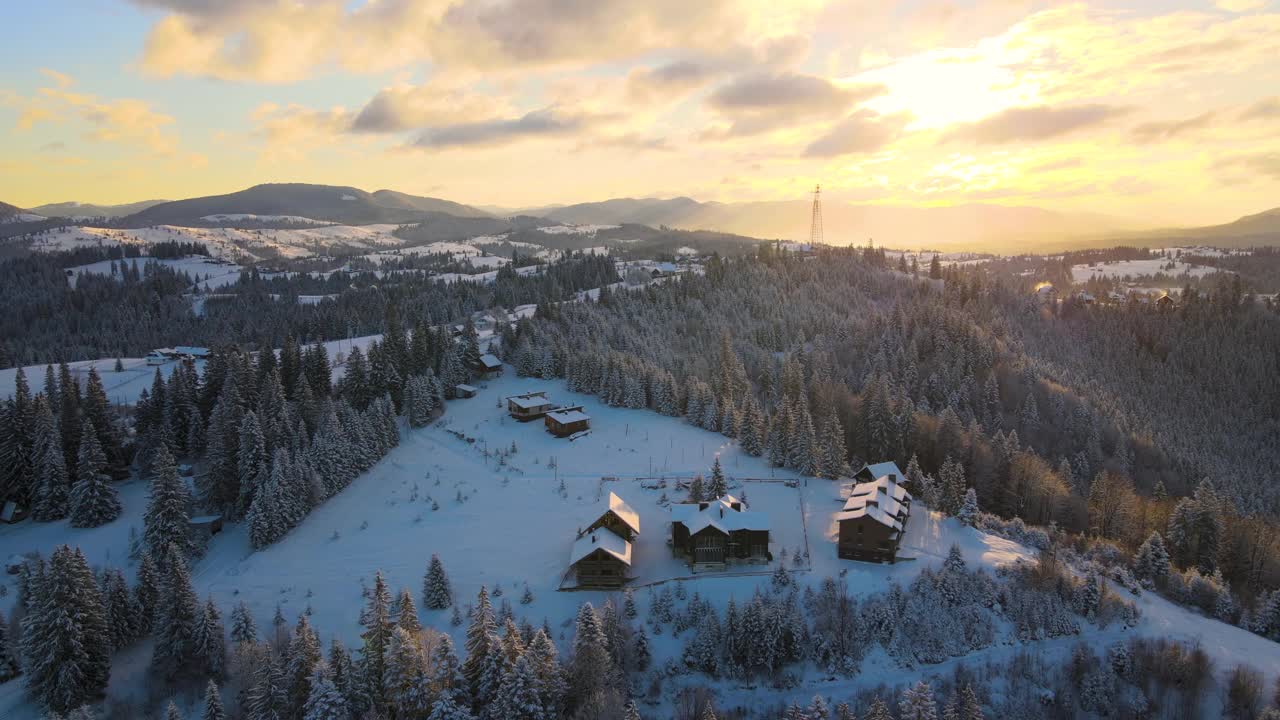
(869, 473)
(489, 366)
(873, 520)
(601, 559)
(713, 533)
(617, 516)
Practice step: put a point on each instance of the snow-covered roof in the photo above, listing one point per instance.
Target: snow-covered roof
(719, 514)
(490, 360)
(465, 388)
(529, 400)
(881, 484)
(192, 350)
(884, 468)
(889, 505)
(873, 512)
(564, 417)
(624, 512)
(601, 539)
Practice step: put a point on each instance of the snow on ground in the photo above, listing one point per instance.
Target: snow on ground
(22, 217)
(1135, 268)
(209, 273)
(233, 217)
(504, 523)
(576, 229)
(1202, 250)
(225, 242)
(122, 387)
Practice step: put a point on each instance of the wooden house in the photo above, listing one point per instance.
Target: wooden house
(565, 421)
(870, 473)
(715, 533)
(601, 559)
(529, 406)
(873, 520)
(464, 391)
(12, 512)
(1165, 302)
(616, 516)
(489, 366)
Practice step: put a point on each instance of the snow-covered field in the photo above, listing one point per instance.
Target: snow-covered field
(226, 242)
(233, 217)
(209, 273)
(576, 229)
(504, 523)
(22, 217)
(1135, 268)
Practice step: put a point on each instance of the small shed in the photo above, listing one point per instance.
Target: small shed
(12, 512)
(566, 421)
(529, 406)
(464, 391)
(601, 559)
(204, 527)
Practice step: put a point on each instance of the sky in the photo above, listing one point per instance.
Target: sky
(1165, 111)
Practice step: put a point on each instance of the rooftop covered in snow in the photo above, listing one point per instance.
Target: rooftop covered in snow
(601, 539)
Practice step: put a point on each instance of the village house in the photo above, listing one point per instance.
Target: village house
(529, 406)
(873, 520)
(712, 533)
(566, 421)
(1047, 294)
(488, 367)
(601, 556)
(463, 390)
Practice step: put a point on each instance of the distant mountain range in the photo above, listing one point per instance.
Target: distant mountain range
(89, 210)
(980, 227)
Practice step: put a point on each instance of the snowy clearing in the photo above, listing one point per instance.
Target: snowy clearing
(1134, 268)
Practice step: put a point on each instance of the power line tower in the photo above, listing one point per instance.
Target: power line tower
(815, 224)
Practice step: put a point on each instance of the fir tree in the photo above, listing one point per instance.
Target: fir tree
(210, 641)
(717, 487)
(1152, 560)
(376, 620)
(9, 667)
(968, 512)
(52, 485)
(146, 594)
(177, 620)
(268, 697)
(404, 681)
(917, 703)
(324, 700)
(243, 628)
(406, 612)
(480, 635)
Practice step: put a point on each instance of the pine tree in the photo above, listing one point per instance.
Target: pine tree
(404, 681)
(480, 635)
(268, 697)
(697, 492)
(167, 519)
(406, 613)
(303, 656)
(436, 593)
(93, 499)
(517, 697)
(121, 610)
(253, 461)
(243, 628)
(65, 642)
(146, 594)
(213, 703)
(172, 712)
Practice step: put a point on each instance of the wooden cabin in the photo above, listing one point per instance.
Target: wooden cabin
(464, 391)
(873, 520)
(1165, 302)
(529, 406)
(204, 527)
(489, 366)
(616, 516)
(712, 534)
(601, 559)
(12, 512)
(566, 421)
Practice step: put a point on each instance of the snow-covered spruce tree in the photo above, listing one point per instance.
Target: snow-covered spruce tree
(146, 594)
(51, 482)
(917, 703)
(303, 655)
(167, 518)
(420, 401)
(219, 487)
(717, 488)
(518, 697)
(243, 628)
(591, 668)
(210, 641)
(1151, 563)
(405, 612)
(968, 512)
(697, 490)
(65, 643)
(404, 678)
(9, 667)
(253, 462)
(93, 499)
(213, 709)
(324, 700)
(375, 618)
(177, 620)
(436, 592)
(121, 610)
(480, 635)
(268, 697)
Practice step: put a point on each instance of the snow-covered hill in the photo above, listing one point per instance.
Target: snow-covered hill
(503, 522)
